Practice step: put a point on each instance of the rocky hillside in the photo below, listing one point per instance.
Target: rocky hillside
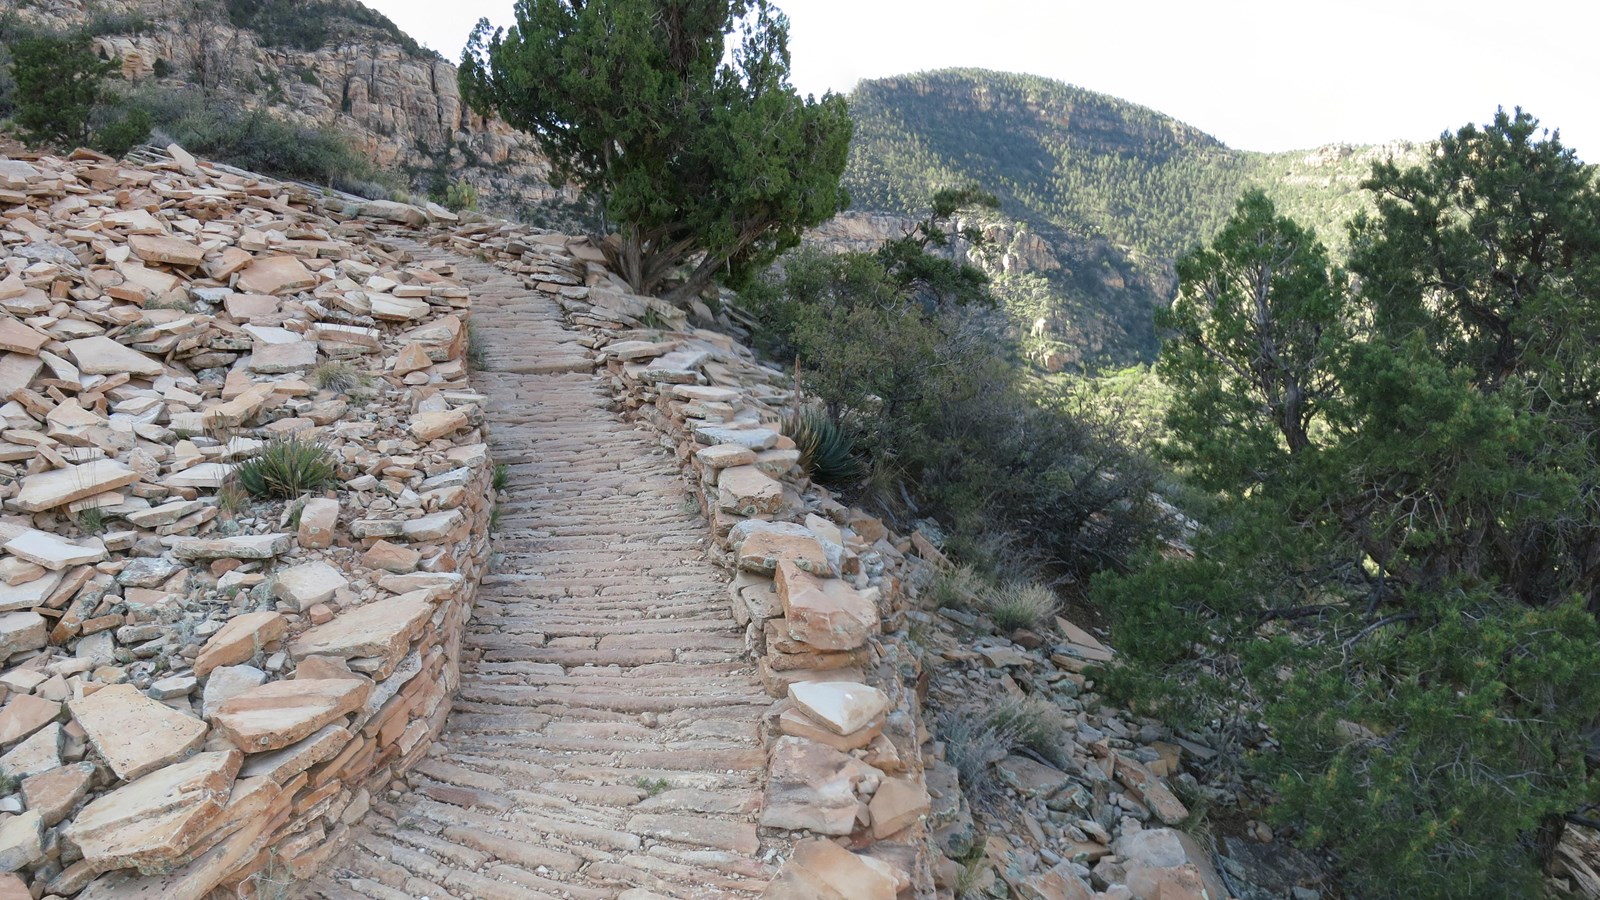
(328, 63)
(1099, 195)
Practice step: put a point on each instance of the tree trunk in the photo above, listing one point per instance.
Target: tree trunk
(685, 293)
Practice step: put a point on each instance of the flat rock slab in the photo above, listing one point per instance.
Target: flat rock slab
(753, 438)
(813, 787)
(769, 543)
(101, 355)
(825, 613)
(47, 490)
(52, 552)
(133, 733)
(240, 640)
(25, 714)
(169, 250)
(275, 275)
(844, 706)
(274, 359)
(19, 338)
(436, 424)
(748, 491)
(820, 868)
(308, 584)
(279, 713)
(152, 821)
(383, 628)
(252, 546)
(22, 630)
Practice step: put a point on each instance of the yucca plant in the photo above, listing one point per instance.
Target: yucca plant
(826, 451)
(287, 468)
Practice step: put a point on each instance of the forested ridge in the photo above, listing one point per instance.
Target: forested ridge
(1080, 168)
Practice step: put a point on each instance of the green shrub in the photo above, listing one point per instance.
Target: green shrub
(826, 450)
(311, 24)
(91, 520)
(253, 139)
(287, 468)
(943, 417)
(462, 195)
(129, 129)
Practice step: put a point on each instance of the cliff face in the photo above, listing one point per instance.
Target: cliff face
(401, 106)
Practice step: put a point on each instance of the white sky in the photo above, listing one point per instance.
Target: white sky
(1258, 74)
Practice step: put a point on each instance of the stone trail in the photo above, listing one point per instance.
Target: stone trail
(607, 732)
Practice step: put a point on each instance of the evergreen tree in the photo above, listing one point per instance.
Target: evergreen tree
(59, 81)
(1402, 576)
(696, 148)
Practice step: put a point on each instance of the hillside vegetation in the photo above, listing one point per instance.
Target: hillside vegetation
(1084, 170)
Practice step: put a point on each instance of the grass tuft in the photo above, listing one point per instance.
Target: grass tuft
(91, 520)
(1021, 605)
(340, 377)
(961, 587)
(502, 477)
(651, 786)
(972, 745)
(1037, 724)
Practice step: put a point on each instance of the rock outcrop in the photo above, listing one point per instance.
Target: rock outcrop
(401, 107)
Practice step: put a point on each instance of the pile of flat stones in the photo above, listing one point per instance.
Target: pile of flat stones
(201, 687)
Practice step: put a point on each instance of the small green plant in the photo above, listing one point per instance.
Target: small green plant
(287, 468)
(232, 498)
(171, 301)
(477, 352)
(826, 451)
(340, 377)
(502, 477)
(651, 786)
(91, 520)
(462, 195)
(1021, 605)
(296, 510)
(494, 517)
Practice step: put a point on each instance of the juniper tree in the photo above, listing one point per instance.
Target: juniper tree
(59, 82)
(1404, 574)
(679, 116)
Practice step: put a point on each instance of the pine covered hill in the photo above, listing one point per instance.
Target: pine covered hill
(1116, 191)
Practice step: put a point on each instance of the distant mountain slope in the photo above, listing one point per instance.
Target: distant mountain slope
(1107, 183)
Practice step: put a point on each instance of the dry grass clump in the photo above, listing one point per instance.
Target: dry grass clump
(1027, 605)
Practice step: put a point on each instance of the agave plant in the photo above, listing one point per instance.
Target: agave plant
(287, 468)
(826, 451)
